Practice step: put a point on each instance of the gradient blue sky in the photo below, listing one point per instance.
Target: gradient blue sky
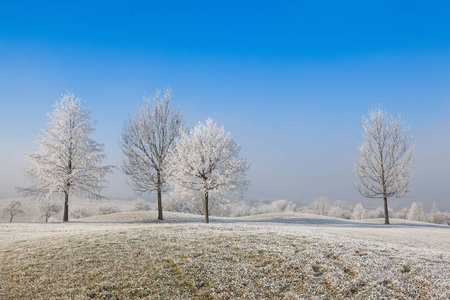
(290, 80)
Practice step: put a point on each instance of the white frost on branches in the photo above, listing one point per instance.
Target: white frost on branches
(147, 139)
(320, 206)
(416, 212)
(384, 168)
(68, 160)
(207, 159)
(359, 212)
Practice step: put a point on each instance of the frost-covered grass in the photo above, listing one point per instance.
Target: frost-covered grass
(294, 256)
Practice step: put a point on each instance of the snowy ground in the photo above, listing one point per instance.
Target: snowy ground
(288, 256)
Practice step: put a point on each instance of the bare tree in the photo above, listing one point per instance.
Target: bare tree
(147, 138)
(384, 168)
(68, 161)
(49, 208)
(14, 208)
(206, 159)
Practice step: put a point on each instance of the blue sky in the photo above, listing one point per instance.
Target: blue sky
(290, 80)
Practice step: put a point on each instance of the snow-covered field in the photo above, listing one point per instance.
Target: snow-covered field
(287, 256)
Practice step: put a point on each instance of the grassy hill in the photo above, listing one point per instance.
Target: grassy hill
(287, 256)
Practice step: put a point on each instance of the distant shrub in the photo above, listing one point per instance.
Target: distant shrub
(320, 206)
(376, 213)
(340, 209)
(176, 204)
(435, 216)
(236, 209)
(80, 213)
(283, 206)
(141, 205)
(107, 210)
(402, 214)
(359, 212)
(278, 206)
(416, 212)
(446, 218)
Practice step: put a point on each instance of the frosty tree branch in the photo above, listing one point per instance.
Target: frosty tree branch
(68, 161)
(206, 159)
(384, 168)
(147, 138)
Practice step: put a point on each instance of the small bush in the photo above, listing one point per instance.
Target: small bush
(107, 210)
(359, 212)
(340, 210)
(416, 212)
(319, 206)
(402, 214)
(141, 205)
(376, 213)
(80, 213)
(435, 216)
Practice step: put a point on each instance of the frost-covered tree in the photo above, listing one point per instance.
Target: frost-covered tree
(147, 138)
(384, 168)
(49, 208)
(207, 159)
(320, 206)
(416, 212)
(68, 161)
(435, 215)
(340, 209)
(283, 206)
(358, 212)
(402, 214)
(13, 209)
(238, 209)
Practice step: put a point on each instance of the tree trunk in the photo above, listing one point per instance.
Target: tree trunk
(66, 207)
(46, 219)
(10, 220)
(160, 211)
(206, 208)
(158, 190)
(386, 213)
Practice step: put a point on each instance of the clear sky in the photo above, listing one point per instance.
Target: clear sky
(290, 80)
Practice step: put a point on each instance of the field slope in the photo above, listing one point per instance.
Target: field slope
(295, 256)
